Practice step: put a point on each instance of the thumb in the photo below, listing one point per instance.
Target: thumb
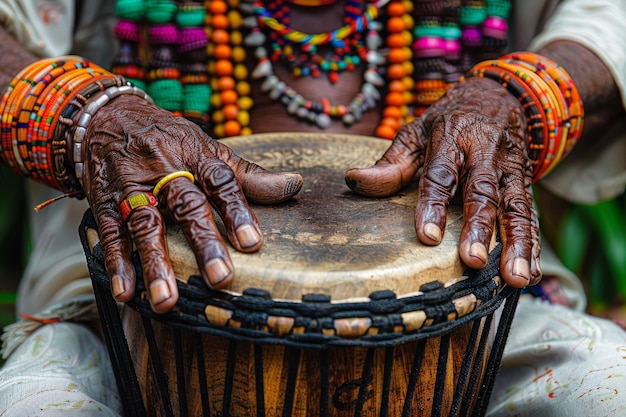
(261, 186)
(395, 168)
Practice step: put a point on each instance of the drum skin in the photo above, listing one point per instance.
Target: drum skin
(326, 242)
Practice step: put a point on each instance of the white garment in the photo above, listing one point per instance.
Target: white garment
(62, 369)
(43, 27)
(559, 362)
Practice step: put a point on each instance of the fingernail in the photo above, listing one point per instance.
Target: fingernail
(432, 231)
(159, 291)
(521, 268)
(293, 184)
(248, 236)
(217, 271)
(479, 251)
(117, 286)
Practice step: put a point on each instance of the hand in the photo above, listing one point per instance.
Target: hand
(473, 138)
(131, 146)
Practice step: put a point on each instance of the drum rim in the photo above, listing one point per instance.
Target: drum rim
(383, 319)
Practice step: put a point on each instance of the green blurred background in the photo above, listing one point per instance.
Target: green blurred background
(14, 244)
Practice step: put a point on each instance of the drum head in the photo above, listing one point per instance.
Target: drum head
(328, 240)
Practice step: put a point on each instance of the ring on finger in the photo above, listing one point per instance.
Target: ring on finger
(136, 201)
(170, 177)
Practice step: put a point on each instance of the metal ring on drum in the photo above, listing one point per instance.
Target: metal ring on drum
(343, 312)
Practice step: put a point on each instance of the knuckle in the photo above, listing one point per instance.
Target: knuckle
(216, 174)
(187, 202)
(144, 222)
(441, 176)
(484, 188)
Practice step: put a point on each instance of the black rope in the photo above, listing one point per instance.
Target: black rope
(366, 378)
(387, 372)
(493, 364)
(117, 346)
(230, 375)
(119, 353)
(324, 384)
(293, 366)
(440, 379)
(464, 372)
(157, 368)
(202, 376)
(477, 374)
(415, 370)
(180, 372)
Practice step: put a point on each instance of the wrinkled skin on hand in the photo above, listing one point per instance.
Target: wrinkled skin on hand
(132, 145)
(472, 140)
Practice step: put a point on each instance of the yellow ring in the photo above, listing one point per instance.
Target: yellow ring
(170, 177)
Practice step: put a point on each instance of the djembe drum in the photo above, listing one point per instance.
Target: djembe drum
(342, 312)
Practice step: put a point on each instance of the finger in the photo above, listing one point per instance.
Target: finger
(147, 228)
(516, 231)
(191, 211)
(261, 186)
(481, 194)
(224, 194)
(395, 168)
(437, 186)
(117, 247)
(480, 207)
(535, 263)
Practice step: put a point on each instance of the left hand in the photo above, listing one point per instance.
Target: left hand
(473, 138)
(130, 146)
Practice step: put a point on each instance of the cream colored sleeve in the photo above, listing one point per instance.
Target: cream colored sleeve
(598, 173)
(43, 27)
(600, 25)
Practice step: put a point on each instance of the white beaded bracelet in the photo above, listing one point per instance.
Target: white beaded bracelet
(94, 104)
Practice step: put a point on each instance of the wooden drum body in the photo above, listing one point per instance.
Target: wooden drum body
(342, 312)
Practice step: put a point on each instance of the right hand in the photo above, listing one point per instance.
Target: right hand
(473, 140)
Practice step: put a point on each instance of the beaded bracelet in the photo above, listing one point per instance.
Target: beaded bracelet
(64, 169)
(30, 109)
(95, 104)
(38, 110)
(550, 100)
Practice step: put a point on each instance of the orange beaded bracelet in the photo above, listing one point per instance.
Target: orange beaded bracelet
(38, 111)
(550, 100)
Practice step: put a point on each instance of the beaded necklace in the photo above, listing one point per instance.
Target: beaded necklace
(414, 51)
(300, 51)
(321, 113)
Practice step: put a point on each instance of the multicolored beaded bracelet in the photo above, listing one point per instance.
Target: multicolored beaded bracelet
(39, 109)
(30, 108)
(545, 91)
